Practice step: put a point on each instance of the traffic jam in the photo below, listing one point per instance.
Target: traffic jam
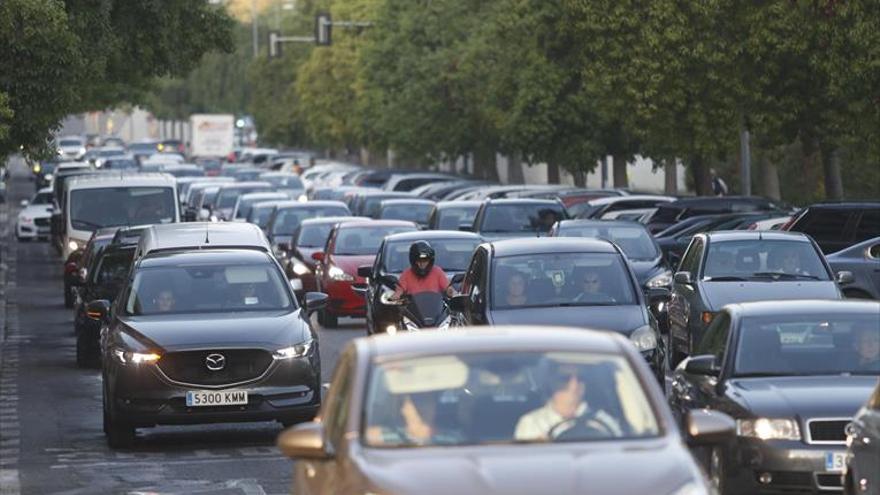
(512, 339)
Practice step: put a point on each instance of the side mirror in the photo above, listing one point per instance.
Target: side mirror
(365, 271)
(845, 277)
(304, 441)
(98, 309)
(388, 281)
(466, 227)
(706, 365)
(458, 303)
(318, 256)
(457, 278)
(706, 427)
(315, 301)
(682, 278)
(24, 203)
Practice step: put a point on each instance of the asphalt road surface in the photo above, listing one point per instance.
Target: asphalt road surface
(50, 411)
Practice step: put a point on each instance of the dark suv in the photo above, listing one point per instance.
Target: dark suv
(835, 226)
(203, 336)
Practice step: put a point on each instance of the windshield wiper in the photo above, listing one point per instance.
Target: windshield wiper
(784, 275)
(725, 278)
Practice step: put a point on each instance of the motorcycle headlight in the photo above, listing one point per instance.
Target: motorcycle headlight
(126, 357)
(659, 281)
(73, 245)
(644, 338)
(296, 351)
(768, 429)
(338, 274)
(300, 268)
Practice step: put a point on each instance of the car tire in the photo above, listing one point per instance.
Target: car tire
(69, 299)
(82, 355)
(717, 473)
(120, 435)
(328, 320)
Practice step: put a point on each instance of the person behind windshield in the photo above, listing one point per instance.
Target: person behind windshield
(415, 423)
(591, 288)
(720, 263)
(164, 301)
(867, 347)
(564, 410)
(516, 290)
(786, 259)
(422, 275)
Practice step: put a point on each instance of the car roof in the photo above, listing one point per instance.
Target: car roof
(442, 205)
(530, 245)
(120, 179)
(492, 339)
(246, 184)
(522, 201)
(376, 223)
(332, 220)
(259, 195)
(632, 197)
(719, 199)
(324, 203)
(414, 201)
(751, 235)
(429, 235)
(177, 257)
(600, 223)
(846, 204)
(805, 306)
(202, 235)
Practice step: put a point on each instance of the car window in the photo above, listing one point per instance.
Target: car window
(91, 209)
(452, 255)
(453, 218)
(823, 224)
(809, 345)
(337, 405)
(113, 267)
(869, 225)
(634, 241)
(412, 212)
(314, 236)
(715, 340)
(229, 195)
(365, 240)
(474, 273)
(43, 198)
(287, 220)
(556, 279)
(756, 259)
(521, 217)
(474, 398)
(691, 259)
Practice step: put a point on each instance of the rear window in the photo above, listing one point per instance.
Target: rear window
(869, 225)
(312, 236)
(823, 224)
(365, 240)
(229, 195)
(411, 212)
(70, 142)
(453, 218)
(521, 217)
(91, 209)
(287, 220)
(634, 241)
(113, 267)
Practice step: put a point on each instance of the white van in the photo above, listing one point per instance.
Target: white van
(97, 201)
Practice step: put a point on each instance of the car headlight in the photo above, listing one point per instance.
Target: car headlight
(48, 176)
(659, 281)
(296, 351)
(303, 198)
(691, 488)
(300, 268)
(768, 429)
(644, 338)
(129, 357)
(338, 274)
(73, 245)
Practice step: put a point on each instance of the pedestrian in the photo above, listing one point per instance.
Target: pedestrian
(719, 187)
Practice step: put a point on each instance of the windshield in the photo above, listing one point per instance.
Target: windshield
(70, 142)
(113, 267)
(365, 240)
(246, 205)
(561, 279)
(229, 195)
(521, 217)
(371, 205)
(476, 398)
(809, 345)
(201, 288)
(143, 147)
(418, 213)
(42, 198)
(288, 219)
(763, 259)
(120, 164)
(635, 241)
(260, 214)
(453, 218)
(312, 236)
(91, 209)
(452, 255)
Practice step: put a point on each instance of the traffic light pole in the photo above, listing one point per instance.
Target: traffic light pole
(323, 33)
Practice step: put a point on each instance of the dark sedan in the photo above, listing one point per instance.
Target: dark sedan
(721, 268)
(413, 210)
(563, 282)
(452, 249)
(451, 215)
(860, 473)
(207, 336)
(499, 219)
(287, 216)
(793, 374)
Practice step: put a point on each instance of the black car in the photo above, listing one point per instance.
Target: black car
(860, 473)
(453, 251)
(76, 265)
(728, 267)
(836, 226)
(104, 277)
(499, 219)
(793, 374)
(367, 203)
(309, 238)
(560, 282)
(669, 213)
(201, 336)
(451, 215)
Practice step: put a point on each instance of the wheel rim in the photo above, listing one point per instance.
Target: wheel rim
(715, 469)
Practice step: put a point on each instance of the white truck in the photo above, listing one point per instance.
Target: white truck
(213, 135)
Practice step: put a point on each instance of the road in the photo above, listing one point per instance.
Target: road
(50, 411)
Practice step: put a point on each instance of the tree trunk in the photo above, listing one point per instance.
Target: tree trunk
(552, 173)
(702, 179)
(831, 170)
(620, 179)
(514, 169)
(580, 178)
(670, 176)
(769, 178)
(485, 163)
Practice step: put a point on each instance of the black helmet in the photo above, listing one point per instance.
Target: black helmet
(421, 250)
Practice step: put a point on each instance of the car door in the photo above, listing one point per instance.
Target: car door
(695, 391)
(684, 297)
(471, 287)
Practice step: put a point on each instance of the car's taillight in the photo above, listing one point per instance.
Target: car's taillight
(70, 267)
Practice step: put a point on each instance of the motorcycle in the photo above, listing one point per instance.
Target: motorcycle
(415, 312)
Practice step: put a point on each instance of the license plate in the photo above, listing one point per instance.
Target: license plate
(834, 461)
(199, 398)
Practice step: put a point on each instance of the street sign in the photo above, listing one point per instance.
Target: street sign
(323, 29)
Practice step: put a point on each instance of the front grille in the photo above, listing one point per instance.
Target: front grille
(41, 222)
(790, 479)
(827, 430)
(241, 365)
(829, 481)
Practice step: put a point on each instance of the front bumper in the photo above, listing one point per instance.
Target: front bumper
(290, 390)
(32, 231)
(786, 467)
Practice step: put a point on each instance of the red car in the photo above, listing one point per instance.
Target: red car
(351, 244)
(310, 237)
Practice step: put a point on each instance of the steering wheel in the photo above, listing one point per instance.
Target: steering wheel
(579, 428)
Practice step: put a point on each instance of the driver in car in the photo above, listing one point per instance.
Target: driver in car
(591, 289)
(566, 410)
(422, 275)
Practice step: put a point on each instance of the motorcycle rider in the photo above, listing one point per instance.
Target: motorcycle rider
(422, 275)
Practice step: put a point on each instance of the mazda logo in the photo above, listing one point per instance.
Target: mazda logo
(215, 362)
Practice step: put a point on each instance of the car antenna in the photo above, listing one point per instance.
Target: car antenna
(207, 239)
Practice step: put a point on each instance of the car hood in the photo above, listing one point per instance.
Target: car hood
(36, 211)
(269, 329)
(718, 294)
(802, 396)
(604, 467)
(622, 319)
(350, 263)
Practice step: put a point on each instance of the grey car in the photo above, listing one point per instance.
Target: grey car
(729, 267)
(863, 261)
(860, 472)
